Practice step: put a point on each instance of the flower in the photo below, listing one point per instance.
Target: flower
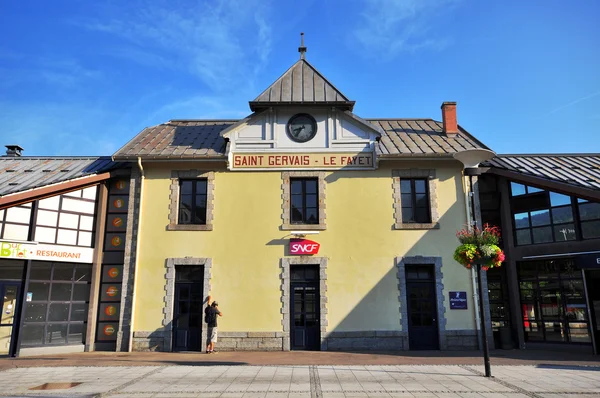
(479, 246)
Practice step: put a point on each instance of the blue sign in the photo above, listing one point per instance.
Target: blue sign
(458, 300)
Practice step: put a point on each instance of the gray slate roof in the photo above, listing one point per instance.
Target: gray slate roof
(178, 139)
(21, 173)
(582, 170)
(197, 139)
(423, 137)
(301, 84)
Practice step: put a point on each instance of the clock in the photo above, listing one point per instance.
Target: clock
(301, 127)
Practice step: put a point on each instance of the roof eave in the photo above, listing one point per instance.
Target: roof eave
(261, 105)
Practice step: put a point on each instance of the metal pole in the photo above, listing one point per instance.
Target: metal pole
(483, 328)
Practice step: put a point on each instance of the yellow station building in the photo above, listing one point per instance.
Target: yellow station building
(313, 228)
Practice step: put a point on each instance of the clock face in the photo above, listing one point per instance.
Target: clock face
(302, 127)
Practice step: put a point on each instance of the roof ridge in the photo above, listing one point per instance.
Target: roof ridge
(545, 154)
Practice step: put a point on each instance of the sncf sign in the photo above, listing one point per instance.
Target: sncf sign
(303, 246)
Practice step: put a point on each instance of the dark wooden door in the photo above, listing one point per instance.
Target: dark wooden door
(422, 308)
(305, 308)
(188, 311)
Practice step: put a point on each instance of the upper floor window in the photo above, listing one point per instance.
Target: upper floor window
(304, 200)
(192, 201)
(415, 200)
(589, 214)
(544, 216)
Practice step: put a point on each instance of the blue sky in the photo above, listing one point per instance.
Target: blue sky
(82, 78)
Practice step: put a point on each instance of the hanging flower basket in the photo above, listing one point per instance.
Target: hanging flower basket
(479, 246)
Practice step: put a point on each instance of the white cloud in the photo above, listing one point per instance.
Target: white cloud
(223, 43)
(388, 27)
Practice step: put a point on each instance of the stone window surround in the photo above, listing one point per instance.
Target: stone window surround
(169, 297)
(399, 174)
(401, 263)
(176, 175)
(286, 196)
(285, 265)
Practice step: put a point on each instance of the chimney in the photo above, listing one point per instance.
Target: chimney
(449, 118)
(13, 150)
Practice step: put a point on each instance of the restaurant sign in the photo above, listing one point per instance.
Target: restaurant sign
(362, 160)
(303, 247)
(458, 300)
(31, 251)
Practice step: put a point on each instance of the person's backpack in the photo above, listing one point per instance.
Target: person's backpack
(209, 315)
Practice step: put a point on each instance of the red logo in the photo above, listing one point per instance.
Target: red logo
(120, 185)
(117, 222)
(109, 330)
(110, 310)
(116, 241)
(113, 272)
(303, 246)
(112, 291)
(118, 203)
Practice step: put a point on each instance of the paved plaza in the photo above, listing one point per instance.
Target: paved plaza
(301, 381)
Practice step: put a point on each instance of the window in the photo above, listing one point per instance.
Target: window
(304, 201)
(303, 194)
(192, 201)
(542, 216)
(553, 301)
(56, 310)
(415, 201)
(589, 214)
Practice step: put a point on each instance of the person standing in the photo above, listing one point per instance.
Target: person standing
(211, 312)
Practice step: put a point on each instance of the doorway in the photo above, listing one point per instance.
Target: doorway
(9, 291)
(187, 311)
(305, 308)
(422, 308)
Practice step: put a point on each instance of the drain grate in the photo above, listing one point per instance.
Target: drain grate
(55, 386)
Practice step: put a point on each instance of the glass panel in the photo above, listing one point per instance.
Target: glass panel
(555, 331)
(81, 292)
(421, 215)
(63, 272)
(186, 188)
(200, 214)
(77, 333)
(197, 293)
(562, 215)
(39, 290)
(61, 292)
(296, 186)
(407, 214)
(527, 270)
(312, 217)
(576, 309)
(564, 232)
(551, 305)
(542, 235)
(11, 269)
(8, 308)
(422, 200)
(184, 307)
(523, 237)
(83, 273)
(185, 209)
(405, 187)
(35, 312)
(590, 229)
(40, 270)
(183, 321)
(201, 187)
(59, 312)
(32, 335)
(297, 202)
(589, 211)
(522, 220)
(406, 200)
(311, 186)
(517, 189)
(311, 201)
(540, 217)
(579, 333)
(533, 331)
(557, 199)
(415, 320)
(184, 292)
(533, 189)
(420, 186)
(79, 311)
(56, 334)
(529, 312)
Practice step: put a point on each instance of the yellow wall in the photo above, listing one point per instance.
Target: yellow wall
(246, 245)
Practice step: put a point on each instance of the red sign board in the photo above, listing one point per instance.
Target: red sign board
(303, 246)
